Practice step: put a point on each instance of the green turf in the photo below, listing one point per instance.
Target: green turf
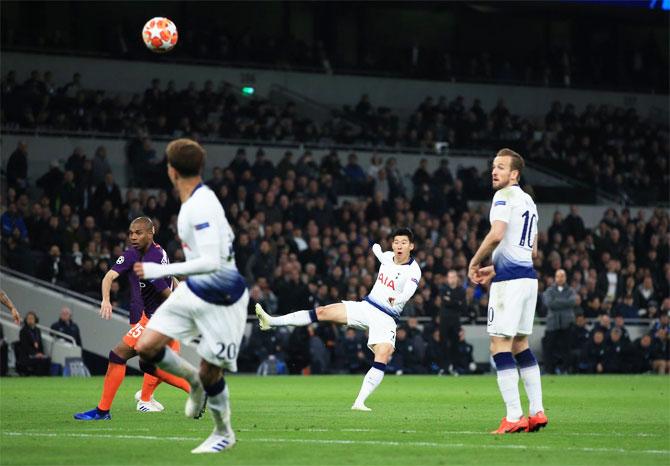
(307, 421)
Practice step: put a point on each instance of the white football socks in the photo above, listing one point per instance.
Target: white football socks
(219, 406)
(533, 385)
(298, 319)
(175, 364)
(508, 383)
(371, 381)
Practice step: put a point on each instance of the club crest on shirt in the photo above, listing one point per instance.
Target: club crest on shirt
(120, 260)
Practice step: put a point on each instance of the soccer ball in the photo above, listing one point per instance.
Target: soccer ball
(159, 35)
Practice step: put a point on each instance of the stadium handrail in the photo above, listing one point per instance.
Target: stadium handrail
(291, 94)
(337, 71)
(59, 289)
(7, 318)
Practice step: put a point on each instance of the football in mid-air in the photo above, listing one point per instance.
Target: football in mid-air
(160, 35)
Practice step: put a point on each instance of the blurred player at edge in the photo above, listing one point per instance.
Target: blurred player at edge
(212, 302)
(379, 312)
(511, 242)
(146, 296)
(4, 299)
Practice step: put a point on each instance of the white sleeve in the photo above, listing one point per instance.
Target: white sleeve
(383, 257)
(500, 207)
(410, 286)
(207, 240)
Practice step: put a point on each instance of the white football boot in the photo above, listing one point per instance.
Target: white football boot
(216, 443)
(151, 406)
(263, 318)
(196, 402)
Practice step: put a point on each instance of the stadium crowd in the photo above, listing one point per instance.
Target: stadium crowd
(640, 67)
(611, 148)
(300, 246)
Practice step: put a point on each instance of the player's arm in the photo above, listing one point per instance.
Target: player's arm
(491, 241)
(207, 238)
(404, 295)
(4, 299)
(106, 305)
(534, 253)
(377, 250)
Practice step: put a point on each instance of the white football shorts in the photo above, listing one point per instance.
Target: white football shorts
(363, 315)
(511, 309)
(184, 316)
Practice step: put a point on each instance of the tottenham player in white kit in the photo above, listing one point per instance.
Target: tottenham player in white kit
(210, 303)
(397, 280)
(513, 292)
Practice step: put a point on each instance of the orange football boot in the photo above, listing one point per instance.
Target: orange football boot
(537, 422)
(507, 427)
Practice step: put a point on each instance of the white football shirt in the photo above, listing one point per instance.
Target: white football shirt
(398, 281)
(513, 257)
(207, 242)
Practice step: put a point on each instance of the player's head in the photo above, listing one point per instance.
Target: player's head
(507, 168)
(186, 159)
(402, 243)
(141, 233)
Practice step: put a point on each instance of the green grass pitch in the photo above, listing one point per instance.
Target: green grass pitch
(307, 421)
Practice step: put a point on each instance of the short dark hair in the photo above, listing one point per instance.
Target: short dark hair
(517, 161)
(148, 223)
(403, 232)
(186, 156)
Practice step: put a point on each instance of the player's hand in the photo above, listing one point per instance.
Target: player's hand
(473, 273)
(376, 249)
(138, 268)
(16, 316)
(106, 310)
(486, 274)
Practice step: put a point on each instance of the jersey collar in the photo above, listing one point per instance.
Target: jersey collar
(409, 262)
(198, 186)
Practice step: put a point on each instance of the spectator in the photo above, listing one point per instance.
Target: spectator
(66, 325)
(617, 354)
(100, 166)
(453, 308)
(578, 338)
(406, 359)
(12, 222)
(17, 168)
(561, 301)
(54, 268)
(644, 353)
(261, 264)
(435, 359)
(463, 362)
(645, 293)
(108, 191)
(592, 357)
(31, 358)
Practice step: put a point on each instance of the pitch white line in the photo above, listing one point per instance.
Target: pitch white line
(343, 442)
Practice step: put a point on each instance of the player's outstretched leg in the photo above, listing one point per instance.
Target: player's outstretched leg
(116, 371)
(222, 437)
(336, 313)
(298, 319)
(530, 374)
(508, 383)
